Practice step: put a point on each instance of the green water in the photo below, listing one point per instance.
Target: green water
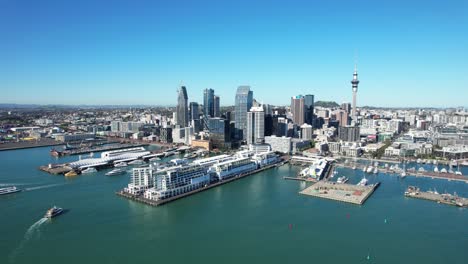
(258, 219)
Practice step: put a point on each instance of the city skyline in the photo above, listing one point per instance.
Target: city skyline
(124, 54)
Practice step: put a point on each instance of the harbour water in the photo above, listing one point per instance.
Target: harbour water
(259, 219)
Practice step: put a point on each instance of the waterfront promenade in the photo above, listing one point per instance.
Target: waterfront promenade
(43, 142)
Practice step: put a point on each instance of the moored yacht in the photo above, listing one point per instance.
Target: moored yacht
(120, 164)
(89, 170)
(136, 162)
(8, 190)
(53, 212)
(342, 179)
(115, 172)
(363, 182)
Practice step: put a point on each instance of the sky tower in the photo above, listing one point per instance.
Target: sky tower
(355, 83)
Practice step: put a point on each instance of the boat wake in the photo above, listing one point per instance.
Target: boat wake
(13, 184)
(33, 231)
(43, 187)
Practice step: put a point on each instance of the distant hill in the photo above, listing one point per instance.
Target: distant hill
(327, 104)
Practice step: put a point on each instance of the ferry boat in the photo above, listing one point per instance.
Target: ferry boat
(115, 172)
(363, 182)
(120, 164)
(89, 170)
(53, 212)
(71, 173)
(136, 162)
(342, 179)
(8, 190)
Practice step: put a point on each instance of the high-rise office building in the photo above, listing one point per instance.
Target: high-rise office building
(298, 109)
(255, 125)
(342, 117)
(216, 109)
(306, 131)
(208, 102)
(182, 107)
(194, 111)
(244, 100)
(346, 107)
(309, 108)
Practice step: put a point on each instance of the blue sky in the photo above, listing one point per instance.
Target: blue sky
(410, 53)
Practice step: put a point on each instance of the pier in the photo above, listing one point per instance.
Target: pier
(141, 199)
(107, 147)
(342, 192)
(445, 198)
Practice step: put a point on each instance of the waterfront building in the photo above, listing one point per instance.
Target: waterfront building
(298, 109)
(216, 107)
(182, 107)
(244, 101)
(349, 133)
(141, 179)
(74, 137)
(255, 125)
(298, 145)
(230, 168)
(263, 159)
(279, 144)
(126, 127)
(174, 181)
(208, 103)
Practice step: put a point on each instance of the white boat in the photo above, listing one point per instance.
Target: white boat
(436, 169)
(120, 164)
(458, 173)
(418, 161)
(364, 169)
(443, 170)
(403, 174)
(8, 190)
(369, 169)
(154, 159)
(342, 179)
(363, 182)
(354, 167)
(115, 172)
(136, 162)
(434, 162)
(421, 169)
(89, 170)
(376, 170)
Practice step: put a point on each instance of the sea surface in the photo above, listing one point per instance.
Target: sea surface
(258, 219)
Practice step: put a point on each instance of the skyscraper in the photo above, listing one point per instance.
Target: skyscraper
(194, 111)
(354, 83)
(255, 125)
(309, 108)
(298, 109)
(182, 107)
(244, 100)
(208, 102)
(216, 110)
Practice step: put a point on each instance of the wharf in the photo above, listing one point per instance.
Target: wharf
(107, 147)
(304, 179)
(341, 191)
(438, 175)
(57, 169)
(141, 199)
(444, 198)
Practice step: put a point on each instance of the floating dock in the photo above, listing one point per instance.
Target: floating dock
(342, 192)
(444, 198)
(141, 199)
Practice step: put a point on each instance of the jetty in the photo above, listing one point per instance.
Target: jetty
(342, 192)
(444, 198)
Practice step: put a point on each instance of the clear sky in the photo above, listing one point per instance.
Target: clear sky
(410, 53)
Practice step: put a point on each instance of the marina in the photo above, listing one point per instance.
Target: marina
(355, 194)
